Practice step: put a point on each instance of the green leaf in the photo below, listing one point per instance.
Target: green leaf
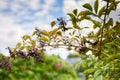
(28, 48)
(95, 26)
(76, 26)
(74, 21)
(44, 38)
(34, 33)
(97, 73)
(98, 33)
(86, 12)
(25, 37)
(110, 22)
(21, 47)
(53, 23)
(18, 45)
(114, 56)
(75, 12)
(88, 71)
(44, 32)
(88, 17)
(87, 6)
(101, 11)
(96, 23)
(51, 33)
(59, 33)
(99, 78)
(71, 15)
(96, 6)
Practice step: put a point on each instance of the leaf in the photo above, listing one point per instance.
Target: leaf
(18, 45)
(34, 33)
(59, 33)
(71, 15)
(88, 17)
(88, 71)
(75, 12)
(87, 6)
(98, 33)
(22, 47)
(76, 26)
(73, 39)
(110, 22)
(51, 33)
(74, 21)
(96, 23)
(44, 38)
(99, 78)
(28, 48)
(44, 32)
(94, 26)
(97, 73)
(53, 23)
(86, 12)
(101, 11)
(25, 37)
(96, 6)
(112, 56)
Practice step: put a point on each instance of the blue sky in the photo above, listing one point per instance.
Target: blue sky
(29, 11)
(19, 17)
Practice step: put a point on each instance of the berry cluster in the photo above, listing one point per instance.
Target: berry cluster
(31, 53)
(34, 53)
(5, 63)
(62, 23)
(21, 54)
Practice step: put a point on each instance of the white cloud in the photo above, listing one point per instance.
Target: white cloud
(32, 4)
(70, 5)
(28, 9)
(3, 4)
(10, 33)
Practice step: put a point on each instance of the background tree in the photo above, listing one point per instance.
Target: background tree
(53, 68)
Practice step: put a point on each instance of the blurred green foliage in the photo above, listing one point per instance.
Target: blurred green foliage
(53, 68)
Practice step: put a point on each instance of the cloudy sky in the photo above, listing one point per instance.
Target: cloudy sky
(19, 17)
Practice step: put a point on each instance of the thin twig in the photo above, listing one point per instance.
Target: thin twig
(102, 28)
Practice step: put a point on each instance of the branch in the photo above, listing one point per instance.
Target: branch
(102, 28)
(92, 49)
